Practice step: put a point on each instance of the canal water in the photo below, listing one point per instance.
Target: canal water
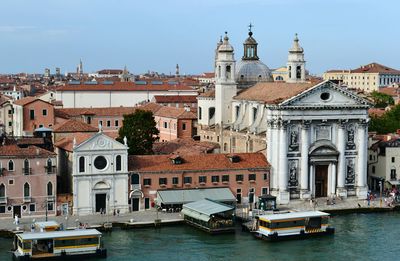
(357, 237)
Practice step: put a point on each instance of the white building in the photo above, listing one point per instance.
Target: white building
(315, 133)
(116, 94)
(100, 176)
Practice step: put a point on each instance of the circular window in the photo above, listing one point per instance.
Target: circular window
(100, 162)
(9, 208)
(23, 207)
(325, 96)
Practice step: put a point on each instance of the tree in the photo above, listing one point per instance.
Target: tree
(387, 123)
(140, 130)
(381, 100)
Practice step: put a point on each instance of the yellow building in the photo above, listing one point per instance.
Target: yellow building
(368, 77)
(280, 74)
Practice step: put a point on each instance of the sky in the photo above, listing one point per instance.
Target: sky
(156, 35)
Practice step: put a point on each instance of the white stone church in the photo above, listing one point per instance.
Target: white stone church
(314, 132)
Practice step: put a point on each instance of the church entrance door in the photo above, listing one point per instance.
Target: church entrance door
(101, 202)
(321, 180)
(135, 204)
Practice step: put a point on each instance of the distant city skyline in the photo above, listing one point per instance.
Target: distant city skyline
(156, 35)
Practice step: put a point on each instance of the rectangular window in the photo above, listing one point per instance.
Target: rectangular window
(32, 114)
(10, 182)
(264, 191)
(202, 179)
(252, 177)
(392, 174)
(89, 120)
(116, 123)
(373, 169)
(162, 181)
(187, 180)
(32, 207)
(147, 182)
(50, 206)
(225, 178)
(165, 125)
(370, 157)
(215, 178)
(9, 112)
(3, 209)
(108, 123)
(183, 126)
(392, 159)
(9, 123)
(239, 177)
(175, 180)
(44, 112)
(101, 123)
(265, 176)
(146, 203)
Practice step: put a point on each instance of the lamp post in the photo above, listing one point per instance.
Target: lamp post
(380, 193)
(108, 207)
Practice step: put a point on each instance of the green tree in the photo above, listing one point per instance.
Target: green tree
(387, 123)
(381, 100)
(140, 130)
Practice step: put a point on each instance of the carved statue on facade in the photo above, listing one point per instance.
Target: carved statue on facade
(293, 175)
(350, 144)
(294, 143)
(350, 175)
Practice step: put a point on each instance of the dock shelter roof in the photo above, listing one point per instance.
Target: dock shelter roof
(182, 196)
(203, 209)
(294, 215)
(59, 234)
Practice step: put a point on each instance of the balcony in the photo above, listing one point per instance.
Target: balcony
(136, 186)
(27, 171)
(27, 199)
(3, 200)
(50, 169)
(50, 198)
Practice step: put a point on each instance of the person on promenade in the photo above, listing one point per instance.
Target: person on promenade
(16, 220)
(369, 198)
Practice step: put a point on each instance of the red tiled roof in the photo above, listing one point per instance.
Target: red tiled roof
(74, 126)
(390, 91)
(29, 152)
(110, 71)
(376, 112)
(273, 92)
(184, 146)
(110, 111)
(125, 86)
(197, 162)
(208, 94)
(151, 106)
(175, 98)
(25, 101)
(173, 112)
(30, 141)
(375, 68)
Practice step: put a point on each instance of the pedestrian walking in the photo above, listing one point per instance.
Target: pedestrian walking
(16, 220)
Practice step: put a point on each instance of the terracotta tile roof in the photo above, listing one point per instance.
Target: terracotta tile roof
(273, 92)
(151, 106)
(173, 112)
(337, 71)
(110, 71)
(197, 162)
(74, 126)
(376, 112)
(29, 152)
(30, 141)
(375, 68)
(25, 101)
(184, 146)
(110, 111)
(208, 94)
(390, 91)
(57, 103)
(175, 98)
(4, 99)
(188, 115)
(125, 86)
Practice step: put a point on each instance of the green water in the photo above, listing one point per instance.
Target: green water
(357, 237)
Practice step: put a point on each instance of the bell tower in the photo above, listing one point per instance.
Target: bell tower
(296, 63)
(250, 47)
(225, 85)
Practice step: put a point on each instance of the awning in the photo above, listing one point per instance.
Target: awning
(394, 182)
(182, 196)
(195, 215)
(204, 209)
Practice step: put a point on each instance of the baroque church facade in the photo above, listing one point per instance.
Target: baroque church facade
(314, 133)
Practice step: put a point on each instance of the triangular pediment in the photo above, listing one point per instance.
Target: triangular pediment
(326, 94)
(100, 141)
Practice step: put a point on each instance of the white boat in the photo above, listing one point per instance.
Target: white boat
(292, 225)
(58, 245)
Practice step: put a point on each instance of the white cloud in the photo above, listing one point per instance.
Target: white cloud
(15, 28)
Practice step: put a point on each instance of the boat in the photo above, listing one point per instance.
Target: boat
(292, 225)
(67, 244)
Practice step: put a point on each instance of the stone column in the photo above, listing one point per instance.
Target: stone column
(269, 146)
(341, 146)
(283, 194)
(275, 157)
(333, 179)
(362, 160)
(312, 180)
(305, 143)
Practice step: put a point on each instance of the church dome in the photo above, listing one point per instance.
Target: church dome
(252, 71)
(225, 46)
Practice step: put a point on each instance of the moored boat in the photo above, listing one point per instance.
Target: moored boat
(292, 225)
(58, 245)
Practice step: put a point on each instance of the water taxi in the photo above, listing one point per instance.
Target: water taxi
(58, 245)
(292, 225)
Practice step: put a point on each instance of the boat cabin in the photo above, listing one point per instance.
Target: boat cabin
(46, 226)
(42, 245)
(292, 224)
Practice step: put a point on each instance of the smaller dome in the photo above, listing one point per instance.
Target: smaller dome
(250, 39)
(225, 46)
(252, 71)
(296, 48)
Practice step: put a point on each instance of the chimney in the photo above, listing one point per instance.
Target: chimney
(187, 107)
(37, 151)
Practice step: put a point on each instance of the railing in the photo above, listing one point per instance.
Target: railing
(27, 199)
(136, 186)
(50, 169)
(50, 198)
(3, 200)
(27, 171)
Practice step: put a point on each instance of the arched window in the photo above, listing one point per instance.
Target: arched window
(118, 164)
(26, 167)
(279, 78)
(211, 113)
(49, 189)
(27, 190)
(2, 191)
(49, 166)
(225, 146)
(219, 71)
(228, 71)
(254, 114)
(298, 72)
(237, 111)
(290, 72)
(82, 164)
(10, 165)
(135, 179)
